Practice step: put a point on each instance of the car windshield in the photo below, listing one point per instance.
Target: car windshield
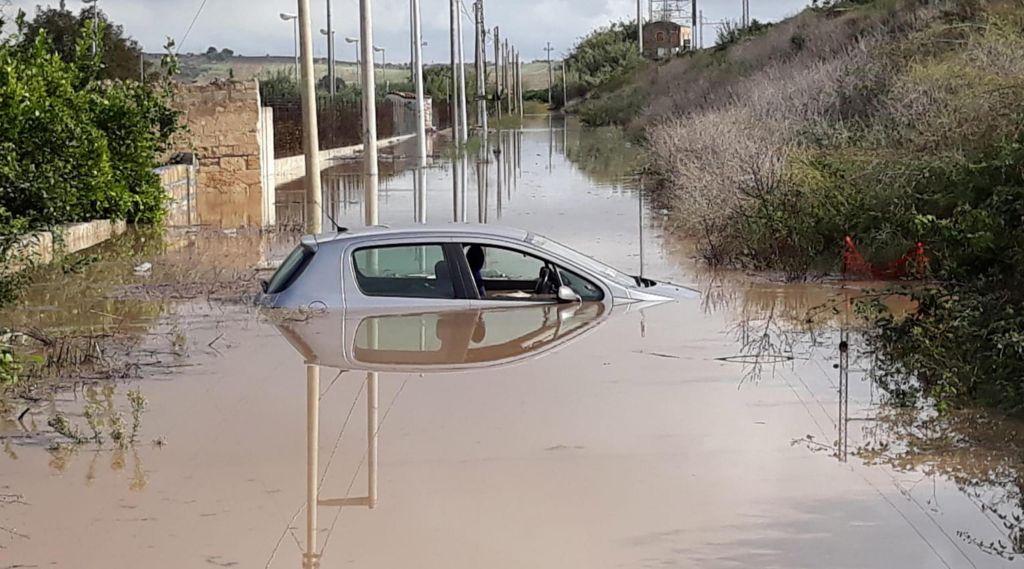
(616, 276)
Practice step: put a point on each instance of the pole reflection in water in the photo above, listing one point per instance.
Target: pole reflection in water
(551, 145)
(311, 558)
(481, 182)
(499, 169)
(463, 182)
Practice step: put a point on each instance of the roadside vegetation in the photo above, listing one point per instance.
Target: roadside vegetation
(601, 73)
(81, 133)
(893, 122)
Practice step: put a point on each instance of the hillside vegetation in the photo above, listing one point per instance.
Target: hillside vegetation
(890, 121)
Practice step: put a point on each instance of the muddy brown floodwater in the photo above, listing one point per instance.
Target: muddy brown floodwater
(721, 432)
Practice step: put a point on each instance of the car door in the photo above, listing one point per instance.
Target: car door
(506, 274)
(403, 274)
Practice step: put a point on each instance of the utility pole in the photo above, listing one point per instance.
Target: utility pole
(310, 135)
(330, 48)
(694, 15)
(453, 93)
(639, 25)
(481, 68)
(551, 76)
(463, 116)
(505, 77)
(519, 82)
(421, 129)
(497, 71)
(369, 113)
(565, 89)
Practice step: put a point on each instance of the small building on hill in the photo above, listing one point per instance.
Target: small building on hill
(665, 38)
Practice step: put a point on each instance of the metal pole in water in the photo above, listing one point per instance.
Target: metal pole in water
(421, 128)
(463, 116)
(370, 173)
(497, 71)
(481, 69)
(565, 90)
(310, 137)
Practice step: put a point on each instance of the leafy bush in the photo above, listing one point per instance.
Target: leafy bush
(76, 148)
(617, 109)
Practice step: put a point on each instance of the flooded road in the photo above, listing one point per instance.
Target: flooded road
(729, 431)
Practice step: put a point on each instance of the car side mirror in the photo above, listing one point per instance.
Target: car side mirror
(566, 294)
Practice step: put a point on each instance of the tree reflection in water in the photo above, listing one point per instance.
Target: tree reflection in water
(977, 452)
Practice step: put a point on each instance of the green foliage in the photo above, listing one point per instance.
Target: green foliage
(730, 32)
(10, 369)
(605, 54)
(76, 148)
(613, 109)
(120, 56)
(76, 145)
(55, 165)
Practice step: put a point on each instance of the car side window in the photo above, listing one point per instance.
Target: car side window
(405, 271)
(586, 290)
(501, 273)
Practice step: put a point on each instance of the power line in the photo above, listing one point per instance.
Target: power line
(189, 30)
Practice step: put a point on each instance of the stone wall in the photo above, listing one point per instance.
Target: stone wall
(223, 119)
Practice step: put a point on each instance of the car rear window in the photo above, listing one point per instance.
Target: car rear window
(290, 270)
(406, 271)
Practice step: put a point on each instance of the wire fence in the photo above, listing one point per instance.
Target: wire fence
(339, 123)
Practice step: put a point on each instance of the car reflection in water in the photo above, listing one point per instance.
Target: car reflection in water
(425, 342)
(446, 341)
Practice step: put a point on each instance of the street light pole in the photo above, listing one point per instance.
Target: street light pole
(359, 67)
(330, 48)
(95, 21)
(421, 129)
(384, 66)
(551, 75)
(295, 37)
(330, 60)
(310, 135)
(369, 114)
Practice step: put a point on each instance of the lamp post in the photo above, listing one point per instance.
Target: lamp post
(358, 65)
(95, 21)
(295, 36)
(383, 66)
(330, 58)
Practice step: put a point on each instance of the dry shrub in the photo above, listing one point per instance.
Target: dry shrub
(716, 164)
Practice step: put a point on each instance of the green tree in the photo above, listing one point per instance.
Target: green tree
(121, 56)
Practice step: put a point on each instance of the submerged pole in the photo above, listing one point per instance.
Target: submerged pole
(421, 119)
(310, 136)
(370, 175)
(463, 117)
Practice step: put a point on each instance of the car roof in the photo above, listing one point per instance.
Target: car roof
(439, 229)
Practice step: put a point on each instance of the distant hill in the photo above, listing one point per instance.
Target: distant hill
(204, 68)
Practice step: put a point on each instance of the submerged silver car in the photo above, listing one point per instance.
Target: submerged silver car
(455, 266)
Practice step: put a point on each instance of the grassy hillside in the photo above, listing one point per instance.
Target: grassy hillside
(891, 122)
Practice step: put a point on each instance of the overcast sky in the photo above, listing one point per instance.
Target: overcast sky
(252, 27)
